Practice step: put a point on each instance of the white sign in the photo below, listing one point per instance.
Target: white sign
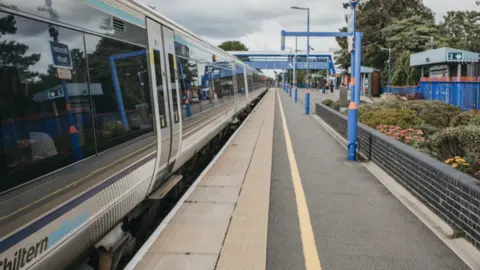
(64, 74)
(350, 43)
(350, 23)
(455, 56)
(55, 93)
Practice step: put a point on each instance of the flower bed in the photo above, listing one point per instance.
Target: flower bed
(441, 130)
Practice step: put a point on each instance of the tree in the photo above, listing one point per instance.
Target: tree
(462, 28)
(407, 36)
(372, 17)
(14, 69)
(233, 45)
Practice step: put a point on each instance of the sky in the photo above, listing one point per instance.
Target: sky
(257, 23)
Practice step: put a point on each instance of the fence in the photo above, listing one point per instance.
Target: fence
(451, 194)
(462, 94)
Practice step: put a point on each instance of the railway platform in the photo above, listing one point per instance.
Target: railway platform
(282, 195)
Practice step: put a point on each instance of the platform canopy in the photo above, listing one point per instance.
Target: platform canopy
(284, 60)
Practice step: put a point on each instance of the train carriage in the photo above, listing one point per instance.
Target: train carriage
(95, 120)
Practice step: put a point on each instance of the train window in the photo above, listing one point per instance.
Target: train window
(250, 81)
(171, 62)
(121, 99)
(208, 97)
(98, 21)
(190, 86)
(240, 81)
(223, 83)
(160, 92)
(45, 120)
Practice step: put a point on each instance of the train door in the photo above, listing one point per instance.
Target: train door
(174, 95)
(159, 82)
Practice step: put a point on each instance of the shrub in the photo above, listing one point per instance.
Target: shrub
(428, 130)
(410, 136)
(335, 106)
(402, 117)
(411, 97)
(327, 102)
(455, 141)
(369, 108)
(332, 104)
(434, 113)
(466, 118)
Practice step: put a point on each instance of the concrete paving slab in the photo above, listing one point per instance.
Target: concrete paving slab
(204, 211)
(202, 237)
(227, 195)
(155, 261)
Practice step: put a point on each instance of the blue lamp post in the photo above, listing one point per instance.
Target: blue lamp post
(355, 83)
(307, 95)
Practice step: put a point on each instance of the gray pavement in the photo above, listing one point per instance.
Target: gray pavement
(357, 223)
(316, 97)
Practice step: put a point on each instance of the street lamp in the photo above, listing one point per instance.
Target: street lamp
(389, 63)
(307, 95)
(290, 66)
(431, 40)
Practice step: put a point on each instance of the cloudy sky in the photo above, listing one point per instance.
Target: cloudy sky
(257, 23)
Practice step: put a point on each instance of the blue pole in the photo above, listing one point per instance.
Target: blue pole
(353, 107)
(291, 79)
(358, 64)
(352, 59)
(352, 130)
(72, 130)
(307, 95)
(118, 93)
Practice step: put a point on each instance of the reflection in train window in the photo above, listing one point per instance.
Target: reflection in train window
(208, 95)
(171, 62)
(120, 90)
(190, 85)
(240, 81)
(223, 83)
(161, 94)
(45, 121)
(250, 81)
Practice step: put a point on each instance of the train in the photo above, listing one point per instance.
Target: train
(102, 105)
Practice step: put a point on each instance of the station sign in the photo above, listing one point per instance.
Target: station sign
(64, 74)
(55, 93)
(61, 56)
(455, 56)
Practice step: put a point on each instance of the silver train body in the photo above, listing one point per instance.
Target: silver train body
(50, 220)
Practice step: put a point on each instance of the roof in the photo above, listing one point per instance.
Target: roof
(277, 53)
(443, 56)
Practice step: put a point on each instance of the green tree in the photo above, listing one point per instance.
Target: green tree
(233, 45)
(409, 36)
(372, 17)
(462, 28)
(14, 71)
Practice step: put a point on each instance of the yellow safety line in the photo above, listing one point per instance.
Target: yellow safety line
(312, 261)
(76, 182)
